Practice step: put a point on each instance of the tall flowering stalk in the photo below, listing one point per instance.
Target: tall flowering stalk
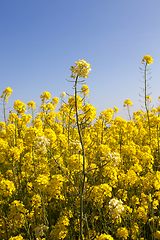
(127, 104)
(5, 95)
(81, 69)
(65, 178)
(146, 61)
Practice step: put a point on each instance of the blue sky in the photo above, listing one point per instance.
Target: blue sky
(40, 40)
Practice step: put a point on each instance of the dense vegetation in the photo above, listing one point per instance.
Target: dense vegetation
(68, 174)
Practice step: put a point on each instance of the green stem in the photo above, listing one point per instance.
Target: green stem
(83, 172)
(129, 113)
(4, 110)
(149, 126)
(158, 145)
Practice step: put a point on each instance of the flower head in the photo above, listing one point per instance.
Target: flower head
(149, 99)
(6, 93)
(39, 231)
(81, 69)
(41, 143)
(19, 107)
(85, 90)
(45, 96)
(63, 94)
(122, 233)
(116, 207)
(116, 109)
(128, 103)
(31, 104)
(147, 59)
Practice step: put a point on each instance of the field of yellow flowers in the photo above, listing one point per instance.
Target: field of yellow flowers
(71, 175)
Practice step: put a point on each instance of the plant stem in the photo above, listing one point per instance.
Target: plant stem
(145, 90)
(83, 172)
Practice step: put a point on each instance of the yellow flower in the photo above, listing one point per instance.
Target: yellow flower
(63, 94)
(116, 207)
(116, 109)
(107, 115)
(89, 112)
(104, 237)
(19, 237)
(6, 93)
(155, 203)
(122, 233)
(6, 187)
(158, 109)
(60, 230)
(19, 107)
(81, 69)
(127, 103)
(39, 231)
(45, 96)
(31, 104)
(157, 235)
(148, 98)
(147, 59)
(85, 90)
(55, 100)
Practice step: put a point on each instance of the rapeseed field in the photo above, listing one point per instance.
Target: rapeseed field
(69, 174)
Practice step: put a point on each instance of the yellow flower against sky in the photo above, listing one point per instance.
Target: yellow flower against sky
(6, 93)
(147, 59)
(42, 170)
(81, 69)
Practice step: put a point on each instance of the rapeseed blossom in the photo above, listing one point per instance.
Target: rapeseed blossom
(41, 143)
(122, 233)
(114, 158)
(19, 237)
(147, 59)
(6, 93)
(60, 230)
(39, 231)
(149, 100)
(116, 109)
(157, 235)
(45, 96)
(63, 94)
(81, 69)
(42, 170)
(127, 103)
(19, 107)
(85, 91)
(31, 104)
(107, 115)
(7, 187)
(104, 237)
(116, 207)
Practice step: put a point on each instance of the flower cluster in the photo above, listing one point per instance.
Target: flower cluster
(85, 90)
(19, 107)
(114, 158)
(116, 207)
(31, 104)
(45, 96)
(127, 103)
(41, 143)
(149, 99)
(147, 59)
(45, 165)
(6, 93)
(81, 69)
(39, 231)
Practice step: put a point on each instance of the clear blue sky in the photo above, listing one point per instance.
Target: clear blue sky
(40, 40)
